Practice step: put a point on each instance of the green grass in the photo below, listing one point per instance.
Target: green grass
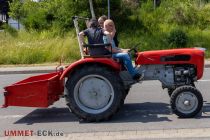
(33, 48)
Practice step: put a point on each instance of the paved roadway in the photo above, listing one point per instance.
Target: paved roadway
(146, 108)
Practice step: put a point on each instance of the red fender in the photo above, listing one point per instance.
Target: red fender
(105, 61)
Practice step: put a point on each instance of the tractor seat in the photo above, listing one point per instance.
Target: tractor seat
(97, 51)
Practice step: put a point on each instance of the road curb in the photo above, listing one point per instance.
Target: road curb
(25, 72)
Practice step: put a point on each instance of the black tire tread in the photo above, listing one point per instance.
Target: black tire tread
(115, 80)
(177, 91)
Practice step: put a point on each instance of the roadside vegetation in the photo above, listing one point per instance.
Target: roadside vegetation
(33, 48)
(49, 34)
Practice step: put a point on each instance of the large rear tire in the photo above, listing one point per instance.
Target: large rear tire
(94, 93)
(186, 101)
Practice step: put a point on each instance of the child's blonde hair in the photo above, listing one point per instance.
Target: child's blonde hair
(108, 21)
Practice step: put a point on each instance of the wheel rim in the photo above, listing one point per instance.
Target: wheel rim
(186, 102)
(93, 94)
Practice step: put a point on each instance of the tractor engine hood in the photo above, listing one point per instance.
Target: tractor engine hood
(194, 56)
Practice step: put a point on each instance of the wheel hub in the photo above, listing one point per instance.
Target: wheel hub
(93, 93)
(186, 102)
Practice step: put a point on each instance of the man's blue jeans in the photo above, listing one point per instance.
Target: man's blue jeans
(126, 61)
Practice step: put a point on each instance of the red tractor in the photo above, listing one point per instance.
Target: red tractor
(95, 87)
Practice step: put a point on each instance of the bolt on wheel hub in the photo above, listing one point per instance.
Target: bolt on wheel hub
(187, 103)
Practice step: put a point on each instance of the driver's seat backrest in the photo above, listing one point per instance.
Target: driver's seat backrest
(97, 50)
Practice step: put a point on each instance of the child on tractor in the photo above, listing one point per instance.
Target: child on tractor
(118, 53)
(101, 20)
(98, 35)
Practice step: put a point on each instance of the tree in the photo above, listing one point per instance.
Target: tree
(91, 8)
(16, 9)
(57, 15)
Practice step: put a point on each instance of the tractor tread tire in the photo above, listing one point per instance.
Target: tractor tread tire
(175, 94)
(110, 75)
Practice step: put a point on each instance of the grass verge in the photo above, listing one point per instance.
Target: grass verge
(32, 48)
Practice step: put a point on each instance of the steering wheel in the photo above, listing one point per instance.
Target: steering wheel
(133, 51)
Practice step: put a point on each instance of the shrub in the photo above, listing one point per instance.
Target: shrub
(177, 38)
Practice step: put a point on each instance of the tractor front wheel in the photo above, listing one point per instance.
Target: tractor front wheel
(94, 93)
(186, 101)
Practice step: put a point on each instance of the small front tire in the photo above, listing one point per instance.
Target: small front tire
(186, 101)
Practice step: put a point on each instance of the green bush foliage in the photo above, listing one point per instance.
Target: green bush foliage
(154, 26)
(48, 14)
(178, 38)
(56, 15)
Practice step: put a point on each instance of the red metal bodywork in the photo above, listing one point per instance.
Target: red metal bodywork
(154, 57)
(37, 91)
(105, 61)
(44, 90)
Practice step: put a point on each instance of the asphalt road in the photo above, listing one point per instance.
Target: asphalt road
(146, 108)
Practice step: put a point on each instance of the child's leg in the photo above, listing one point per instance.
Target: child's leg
(127, 62)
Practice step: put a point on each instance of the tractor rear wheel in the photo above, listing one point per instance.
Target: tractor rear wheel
(186, 101)
(94, 93)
